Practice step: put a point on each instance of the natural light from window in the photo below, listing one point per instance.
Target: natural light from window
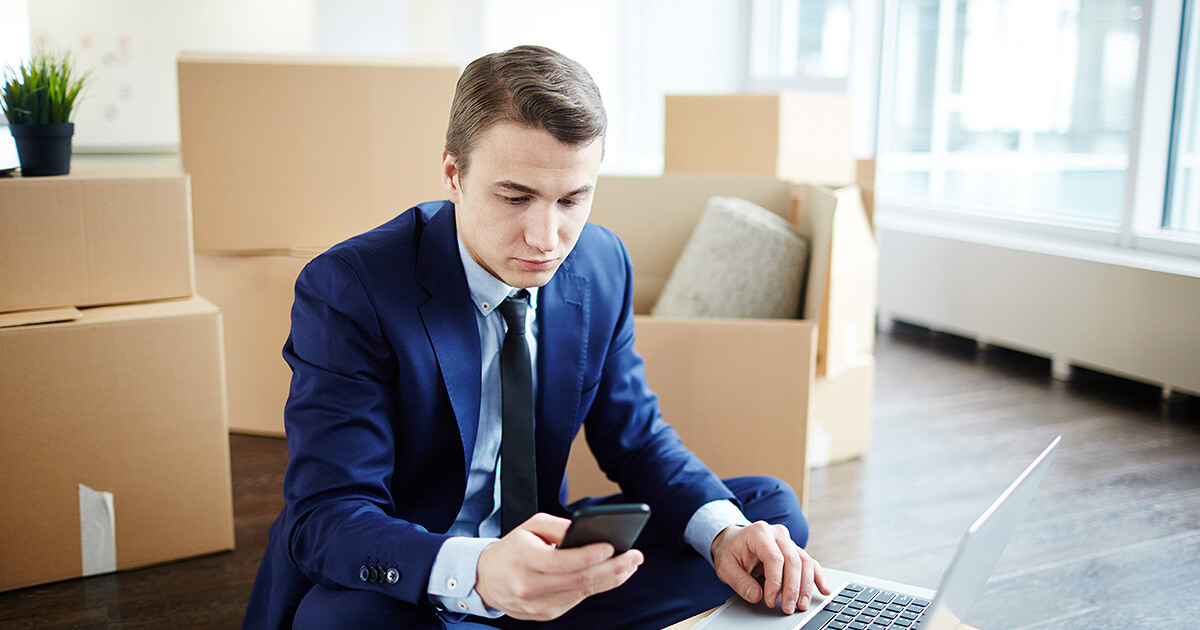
(1020, 108)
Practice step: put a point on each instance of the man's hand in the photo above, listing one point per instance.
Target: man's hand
(789, 573)
(525, 576)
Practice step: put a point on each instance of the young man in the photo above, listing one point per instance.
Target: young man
(442, 365)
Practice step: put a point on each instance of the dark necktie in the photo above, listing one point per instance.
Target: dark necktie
(518, 476)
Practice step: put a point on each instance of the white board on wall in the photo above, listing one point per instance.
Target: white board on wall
(131, 47)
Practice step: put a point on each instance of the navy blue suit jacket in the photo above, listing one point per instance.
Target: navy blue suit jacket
(384, 404)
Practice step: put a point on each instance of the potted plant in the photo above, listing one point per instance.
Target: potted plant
(38, 98)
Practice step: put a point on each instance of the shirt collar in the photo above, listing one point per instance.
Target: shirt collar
(487, 291)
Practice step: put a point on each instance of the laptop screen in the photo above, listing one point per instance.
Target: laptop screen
(981, 548)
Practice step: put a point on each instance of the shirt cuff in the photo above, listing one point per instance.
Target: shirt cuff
(711, 519)
(452, 578)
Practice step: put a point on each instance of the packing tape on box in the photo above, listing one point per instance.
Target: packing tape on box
(97, 531)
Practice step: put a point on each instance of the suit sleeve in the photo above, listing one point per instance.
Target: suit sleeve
(341, 443)
(626, 432)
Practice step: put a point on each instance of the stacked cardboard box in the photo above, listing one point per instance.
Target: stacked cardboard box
(113, 434)
(272, 186)
(805, 138)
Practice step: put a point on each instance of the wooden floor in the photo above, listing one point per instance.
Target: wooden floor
(1111, 541)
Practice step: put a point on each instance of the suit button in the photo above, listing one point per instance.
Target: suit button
(364, 574)
(374, 574)
(393, 575)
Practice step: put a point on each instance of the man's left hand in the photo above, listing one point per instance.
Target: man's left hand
(789, 573)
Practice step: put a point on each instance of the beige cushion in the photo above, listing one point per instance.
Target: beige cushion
(741, 261)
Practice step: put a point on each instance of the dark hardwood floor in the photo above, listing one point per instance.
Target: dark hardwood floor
(1112, 540)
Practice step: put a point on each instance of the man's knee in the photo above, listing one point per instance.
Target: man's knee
(327, 608)
(771, 500)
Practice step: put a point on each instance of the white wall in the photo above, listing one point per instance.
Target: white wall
(14, 32)
(1133, 318)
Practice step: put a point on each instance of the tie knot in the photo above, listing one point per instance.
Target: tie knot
(513, 309)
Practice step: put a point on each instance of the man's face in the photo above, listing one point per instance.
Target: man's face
(523, 201)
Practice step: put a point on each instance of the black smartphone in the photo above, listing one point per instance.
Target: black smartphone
(617, 524)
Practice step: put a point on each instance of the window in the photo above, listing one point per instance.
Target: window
(1013, 107)
(799, 44)
(1183, 213)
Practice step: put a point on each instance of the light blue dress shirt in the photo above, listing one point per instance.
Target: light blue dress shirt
(452, 577)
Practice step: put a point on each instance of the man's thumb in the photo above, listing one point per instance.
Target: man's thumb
(549, 528)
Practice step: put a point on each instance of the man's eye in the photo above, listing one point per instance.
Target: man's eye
(568, 202)
(516, 201)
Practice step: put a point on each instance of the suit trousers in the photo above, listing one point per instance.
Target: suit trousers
(672, 584)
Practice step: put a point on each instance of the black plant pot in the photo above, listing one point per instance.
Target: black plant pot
(44, 149)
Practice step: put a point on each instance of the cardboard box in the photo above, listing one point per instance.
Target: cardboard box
(845, 269)
(799, 136)
(736, 390)
(840, 423)
(305, 152)
(128, 400)
(105, 234)
(255, 294)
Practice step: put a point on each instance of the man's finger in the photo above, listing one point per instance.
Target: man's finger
(550, 528)
(792, 588)
(598, 578)
(806, 584)
(793, 575)
(766, 548)
(560, 561)
(821, 581)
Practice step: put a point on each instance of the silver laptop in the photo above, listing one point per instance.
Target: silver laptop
(860, 601)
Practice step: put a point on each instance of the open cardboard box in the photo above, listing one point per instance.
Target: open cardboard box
(350, 150)
(127, 400)
(104, 234)
(738, 391)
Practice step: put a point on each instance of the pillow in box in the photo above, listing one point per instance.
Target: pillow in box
(742, 260)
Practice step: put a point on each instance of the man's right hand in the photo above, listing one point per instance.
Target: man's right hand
(525, 575)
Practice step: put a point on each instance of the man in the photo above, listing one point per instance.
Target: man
(442, 365)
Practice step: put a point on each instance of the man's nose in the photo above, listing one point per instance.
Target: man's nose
(542, 229)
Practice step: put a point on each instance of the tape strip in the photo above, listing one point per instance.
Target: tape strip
(97, 531)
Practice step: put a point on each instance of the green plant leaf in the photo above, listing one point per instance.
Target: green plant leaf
(41, 90)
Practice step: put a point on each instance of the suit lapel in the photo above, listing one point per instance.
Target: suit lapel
(450, 322)
(563, 318)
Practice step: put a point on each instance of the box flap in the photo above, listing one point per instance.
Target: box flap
(39, 316)
(813, 216)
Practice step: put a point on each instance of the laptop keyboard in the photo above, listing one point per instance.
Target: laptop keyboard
(858, 607)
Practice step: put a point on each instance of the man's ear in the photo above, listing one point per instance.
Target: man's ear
(450, 178)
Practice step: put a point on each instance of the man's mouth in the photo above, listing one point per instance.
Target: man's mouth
(536, 264)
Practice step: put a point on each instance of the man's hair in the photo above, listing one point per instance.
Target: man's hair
(532, 86)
